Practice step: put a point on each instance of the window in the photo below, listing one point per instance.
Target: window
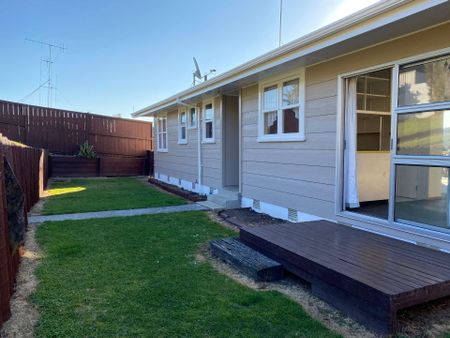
(161, 132)
(208, 123)
(182, 121)
(425, 133)
(421, 195)
(282, 109)
(422, 153)
(193, 118)
(424, 82)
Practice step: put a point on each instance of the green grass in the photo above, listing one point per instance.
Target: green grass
(98, 194)
(138, 276)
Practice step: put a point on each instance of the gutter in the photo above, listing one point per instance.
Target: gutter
(315, 36)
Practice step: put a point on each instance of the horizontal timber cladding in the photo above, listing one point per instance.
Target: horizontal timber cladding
(181, 160)
(298, 175)
(301, 175)
(116, 166)
(72, 166)
(62, 131)
(65, 166)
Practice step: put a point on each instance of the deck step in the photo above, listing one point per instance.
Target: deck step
(247, 260)
(211, 205)
(226, 202)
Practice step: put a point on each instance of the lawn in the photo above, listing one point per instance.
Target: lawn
(138, 276)
(97, 194)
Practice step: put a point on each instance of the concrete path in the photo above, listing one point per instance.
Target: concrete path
(116, 213)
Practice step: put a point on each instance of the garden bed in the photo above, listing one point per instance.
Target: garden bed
(189, 195)
(247, 217)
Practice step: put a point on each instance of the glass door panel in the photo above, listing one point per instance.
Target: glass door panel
(421, 195)
(422, 143)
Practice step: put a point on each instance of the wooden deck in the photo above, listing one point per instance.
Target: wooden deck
(367, 276)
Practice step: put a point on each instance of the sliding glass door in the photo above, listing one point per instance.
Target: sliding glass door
(396, 149)
(421, 149)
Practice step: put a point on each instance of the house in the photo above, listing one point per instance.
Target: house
(350, 123)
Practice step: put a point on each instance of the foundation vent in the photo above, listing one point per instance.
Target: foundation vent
(211, 190)
(256, 204)
(159, 175)
(193, 185)
(292, 215)
(179, 181)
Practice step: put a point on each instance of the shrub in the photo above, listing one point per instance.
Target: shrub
(87, 151)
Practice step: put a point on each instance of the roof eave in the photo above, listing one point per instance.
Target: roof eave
(309, 39)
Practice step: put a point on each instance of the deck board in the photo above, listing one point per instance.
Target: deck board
(352, 267)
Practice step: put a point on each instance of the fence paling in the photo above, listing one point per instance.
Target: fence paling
(62, 131)
(29, 167)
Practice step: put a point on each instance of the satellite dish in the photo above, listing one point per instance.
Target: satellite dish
(197, 72)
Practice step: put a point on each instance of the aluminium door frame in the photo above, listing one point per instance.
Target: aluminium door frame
(426, 231)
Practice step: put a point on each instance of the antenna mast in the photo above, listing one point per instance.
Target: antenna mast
(49, 61)
(281, 20)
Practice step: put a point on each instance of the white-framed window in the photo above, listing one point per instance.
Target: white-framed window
(193, 117)
(208, 122)
(282, 109)
(182, 125)
(161, 133)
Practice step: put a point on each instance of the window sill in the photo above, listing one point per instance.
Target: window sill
(281, 138)
(182, 142)
(162, 150)
(191, 128)
(206, 141)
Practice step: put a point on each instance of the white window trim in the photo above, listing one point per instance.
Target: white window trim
(278, 81)
(193, 126)
(158, 145)
(186, 111)
(211, 139)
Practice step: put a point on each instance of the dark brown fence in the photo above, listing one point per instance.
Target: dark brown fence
(72, 166)
(62, 131)
(29, 169)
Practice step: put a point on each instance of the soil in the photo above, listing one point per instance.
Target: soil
(248, 217)
(186, 194)
(24, 314)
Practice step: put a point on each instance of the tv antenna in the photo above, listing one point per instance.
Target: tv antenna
(49, 61)
(281, 21)
(197, 74)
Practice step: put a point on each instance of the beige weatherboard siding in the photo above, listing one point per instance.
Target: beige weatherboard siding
(180, 162)
(299, 176)
(212, 152)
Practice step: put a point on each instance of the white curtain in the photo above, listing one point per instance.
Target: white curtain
(271, 118)
(351, 198)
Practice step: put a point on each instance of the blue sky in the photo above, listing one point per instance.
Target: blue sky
(124, 55)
